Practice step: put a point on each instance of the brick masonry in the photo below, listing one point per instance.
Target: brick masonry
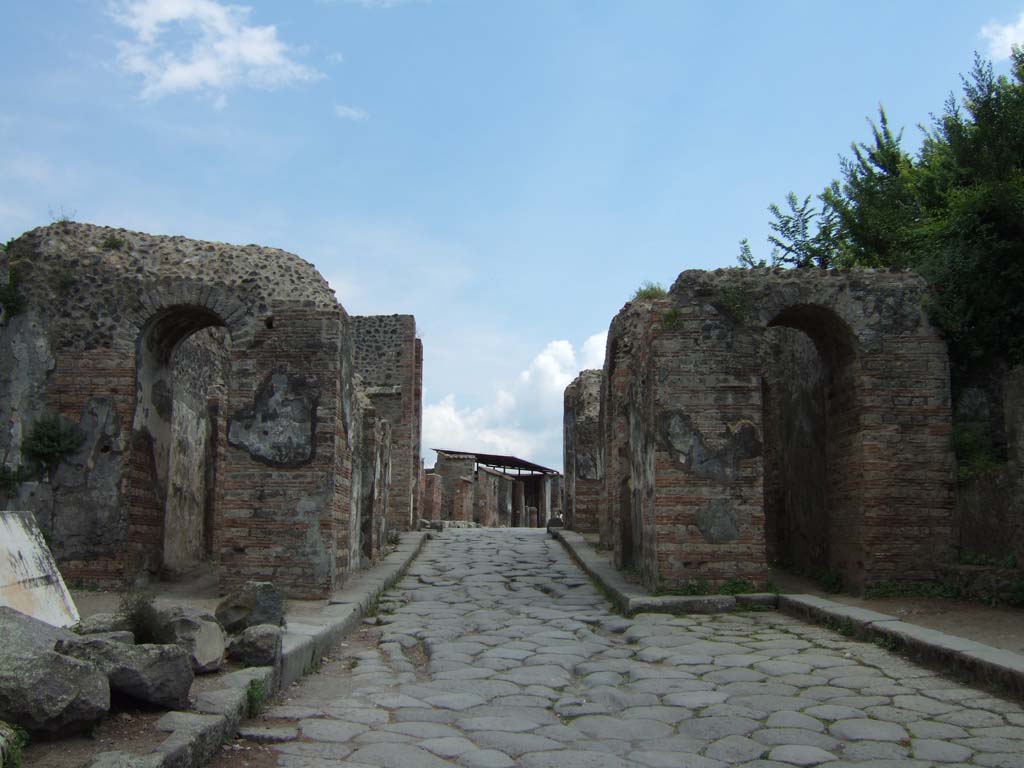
(217, 390)
(583, 462)
(389, 359)
(693, 443)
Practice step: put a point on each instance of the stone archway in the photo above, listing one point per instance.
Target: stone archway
(686, 373)
(177, 439)
(811, 438)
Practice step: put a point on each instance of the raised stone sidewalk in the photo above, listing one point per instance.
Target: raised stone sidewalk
(195, 736)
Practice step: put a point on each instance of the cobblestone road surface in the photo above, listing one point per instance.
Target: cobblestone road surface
(495, 650)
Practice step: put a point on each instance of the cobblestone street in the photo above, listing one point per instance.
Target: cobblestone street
(495, 650)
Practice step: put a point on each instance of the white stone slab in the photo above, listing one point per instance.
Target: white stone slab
(29, 579)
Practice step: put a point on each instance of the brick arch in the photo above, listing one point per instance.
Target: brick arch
(690, 380)
(172, 490)
(280, 513)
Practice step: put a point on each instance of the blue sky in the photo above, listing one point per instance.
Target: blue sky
(507, 171)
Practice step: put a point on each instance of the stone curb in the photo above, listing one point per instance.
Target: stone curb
(981, 663)
(631, 599)
(196, 736)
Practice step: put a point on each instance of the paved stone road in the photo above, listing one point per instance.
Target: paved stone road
(495, 651)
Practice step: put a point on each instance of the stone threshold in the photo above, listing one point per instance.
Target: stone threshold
(195, 736)
(981, 664)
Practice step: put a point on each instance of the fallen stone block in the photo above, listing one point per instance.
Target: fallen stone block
(103, 622)
(152, 674)
(198, 633)
(258, 646)
(258, 602)
(45, 692)
(41, 690)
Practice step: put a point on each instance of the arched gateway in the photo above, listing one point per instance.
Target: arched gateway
(215, 386)
(797, 415)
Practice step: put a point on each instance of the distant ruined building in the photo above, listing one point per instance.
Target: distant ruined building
(491, 490)
(799, 417)
(232, 411)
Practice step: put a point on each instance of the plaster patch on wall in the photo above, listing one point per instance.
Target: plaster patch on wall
(279, 429)
(717, 522)
(687, 443)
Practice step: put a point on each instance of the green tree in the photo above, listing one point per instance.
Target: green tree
(954, 213)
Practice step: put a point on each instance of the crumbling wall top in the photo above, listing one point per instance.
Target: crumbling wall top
(78, 268)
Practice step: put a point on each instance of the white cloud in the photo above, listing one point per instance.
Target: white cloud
(346, 112)
(525, 417)
(1002, 37)
(203, 46)
(373, 3)
(337, 57)
(592, 353)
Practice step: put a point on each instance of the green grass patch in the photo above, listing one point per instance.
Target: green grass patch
(649, 290)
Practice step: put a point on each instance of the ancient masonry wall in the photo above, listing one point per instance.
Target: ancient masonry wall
(487, 488)
(582, 453)
(694, 447)
(201, 375)
(431, 496)
(452, 468)
(462, 500)
(389, 358)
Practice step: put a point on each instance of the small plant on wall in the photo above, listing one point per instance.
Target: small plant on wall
(649, 290)
(51, 439)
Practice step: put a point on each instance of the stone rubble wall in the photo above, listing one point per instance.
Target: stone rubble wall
(452, 468)
(431, 509)
(389, 358)
(583, 463)
(216, 387)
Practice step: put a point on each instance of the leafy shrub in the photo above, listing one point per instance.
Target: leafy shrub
(649, 290)
(113, 243)
(255, 697)
(51, 439)
(736, 587)
(829, 581)
(672, 318)
(137, 609)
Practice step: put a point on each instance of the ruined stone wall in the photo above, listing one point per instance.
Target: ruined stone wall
(505, 488)
(684, 424)
(431, 496)
(582, 458)
(518, 504)
(486, 497)
(990, 504)
(389, 358)
(620, 490)
(452, 468)
(462, 500)
(106, 313)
